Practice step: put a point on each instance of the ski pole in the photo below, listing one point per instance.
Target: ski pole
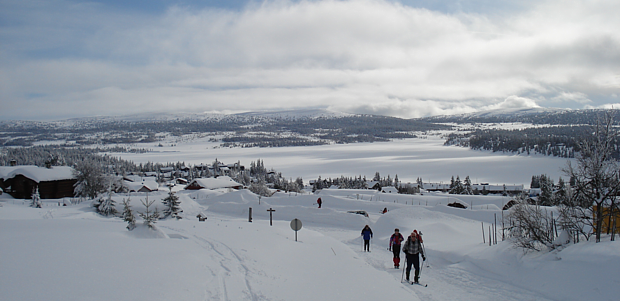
(424, 251)
(404, 267)
(421, 266)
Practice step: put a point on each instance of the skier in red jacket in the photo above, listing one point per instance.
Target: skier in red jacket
(395, 241)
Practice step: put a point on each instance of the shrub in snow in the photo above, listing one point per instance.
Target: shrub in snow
(173, 205)
(36, 199)
(128, 215)
(531, 226)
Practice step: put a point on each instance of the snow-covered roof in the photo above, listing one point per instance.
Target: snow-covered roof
(147, 182)
(36, 173)
(389, 189)
(215, 183)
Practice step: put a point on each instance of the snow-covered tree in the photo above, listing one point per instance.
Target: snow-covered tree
(107, 206)
(595, 180)
(260, 188)
(90, 179)
(36, 199)
(128, 215)
(172, 205)
(467, 186)
(531, 226)
(456, 186)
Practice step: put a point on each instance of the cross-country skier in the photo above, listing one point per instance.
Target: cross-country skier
(395, 241)
(367, 234)
(413, 247)
(319, 202)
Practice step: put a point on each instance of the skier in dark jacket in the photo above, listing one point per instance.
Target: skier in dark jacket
(413, 247)
(395, 241)
(367, 234)
(320, 202)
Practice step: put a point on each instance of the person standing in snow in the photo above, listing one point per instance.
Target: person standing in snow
(395, 241)
(413, 247)
(319, 202)
(367, 235)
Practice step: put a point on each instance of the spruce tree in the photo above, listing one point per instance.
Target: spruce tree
(172, 204)
(36, 199)
(128, 215)
(106, 206)
(467, 186)
(150, 218)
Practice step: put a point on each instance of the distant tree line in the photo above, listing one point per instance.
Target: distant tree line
(561, 142)
(239, 130)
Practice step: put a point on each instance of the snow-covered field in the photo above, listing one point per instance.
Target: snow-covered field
(72, 253)
(407, 158)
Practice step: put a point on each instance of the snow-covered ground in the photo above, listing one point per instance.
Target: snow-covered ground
(72, 253)
(407, 158)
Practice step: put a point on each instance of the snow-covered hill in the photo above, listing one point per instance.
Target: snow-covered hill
(71, 253)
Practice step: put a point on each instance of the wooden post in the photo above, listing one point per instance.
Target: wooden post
(495, 229)
(271, 211)
(483, 239)
(490, 236)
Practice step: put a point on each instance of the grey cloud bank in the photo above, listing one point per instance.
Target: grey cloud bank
(71, 59)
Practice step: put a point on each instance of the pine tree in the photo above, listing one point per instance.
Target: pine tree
(172, 205)
(106, 206)
(451, 188)
(458, 186)
(128, 215)
(36, 199)
(150, 218)
(467, 186)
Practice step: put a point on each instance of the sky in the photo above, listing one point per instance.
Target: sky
(68, 58)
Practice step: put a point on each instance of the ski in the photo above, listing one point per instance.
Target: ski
(420, 284)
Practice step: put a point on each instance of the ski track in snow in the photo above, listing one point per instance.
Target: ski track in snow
(445, 280)
(233, 279)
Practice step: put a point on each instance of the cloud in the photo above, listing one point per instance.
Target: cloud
(372, 56)
(513, 102)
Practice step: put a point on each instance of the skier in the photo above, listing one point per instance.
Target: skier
(395, 241)
(319, 202)
(367, 234)
(384, 210)
(413, 247)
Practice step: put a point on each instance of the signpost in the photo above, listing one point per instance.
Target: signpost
(296, 226)
(271, 211)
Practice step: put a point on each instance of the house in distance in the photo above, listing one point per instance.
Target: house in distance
(53, 183)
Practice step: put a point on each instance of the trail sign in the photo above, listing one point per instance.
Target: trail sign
(296, 226)
(271, 211)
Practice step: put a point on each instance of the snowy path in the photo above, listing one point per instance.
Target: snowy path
(446, 280)
(230, 279)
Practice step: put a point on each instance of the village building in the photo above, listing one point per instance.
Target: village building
(389, 189)
(213, 183)
(53, 183)
(136, 183)
(493, 189)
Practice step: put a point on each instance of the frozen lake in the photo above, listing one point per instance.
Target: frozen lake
(408, 158)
